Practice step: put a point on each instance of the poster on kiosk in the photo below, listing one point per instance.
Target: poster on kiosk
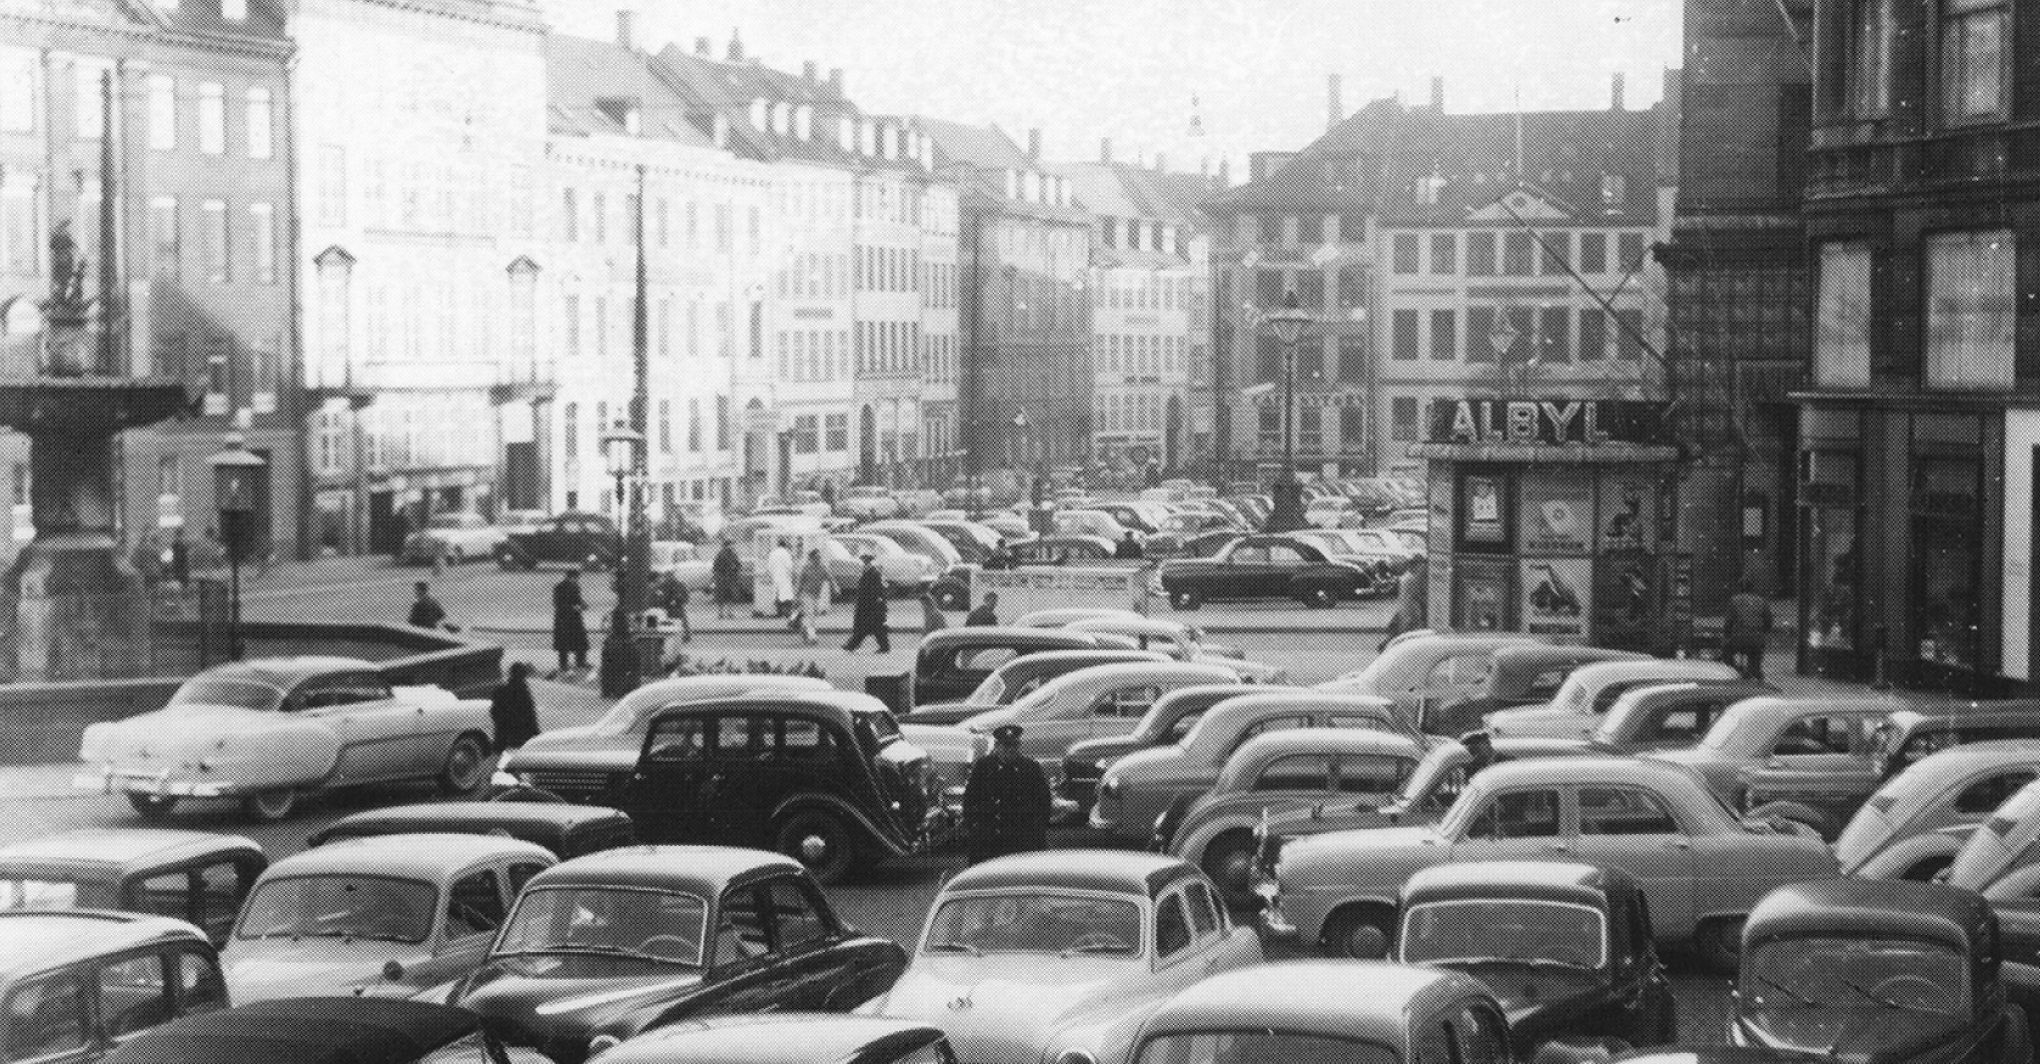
(798, 541)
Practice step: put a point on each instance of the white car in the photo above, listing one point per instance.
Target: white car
(1332, 511)
(1091, 523)
(868, 504)
(1181, 642)
(903, 570)
(456, 537)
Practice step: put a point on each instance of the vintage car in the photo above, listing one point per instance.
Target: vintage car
(1101, 700)
(1668, 716)
(2003, 856)
(394, 916)
(1566, 947)
(568, 830)
(1522, 676)
(195, 876)
(1879, 971)
(312, 1030)
(1043, 956)
(602, 948)
(867, 502)
(1591, 690)
(920, 540)
(1715, 1054)
(1076, 520)
(1324, 1011)
(1916, 823)
(1370, 548)
(905, 572)
(74, 985)
(1165, 724)
(592, 762)
(455, 537)
(1424, 670)
(1021, 677)
(1807, 733)
(1140, 787)
(952, 663)
(1825, 793)
(1265, 567)
(1701, 868)
(266, 731)
(823, 777)
(1180, 642)
(1275, 773)
(789, 1038)
(572, 539)
(1063, 616)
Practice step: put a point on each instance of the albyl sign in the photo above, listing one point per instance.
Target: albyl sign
(1584, 422)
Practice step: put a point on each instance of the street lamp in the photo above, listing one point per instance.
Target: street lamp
(622, 448)
(234, 472)
(1288, 323)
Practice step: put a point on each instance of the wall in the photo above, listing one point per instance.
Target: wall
(2022, 437)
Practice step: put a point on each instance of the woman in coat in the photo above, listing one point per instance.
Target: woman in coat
(512, 709)
(570, 636)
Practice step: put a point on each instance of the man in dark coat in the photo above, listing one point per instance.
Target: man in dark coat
(426, 612)
(1746, 631)
(869, 617)
(512, 709)
(570, 636)
(725, 573)
(987, 612)
(1006, 804)
(1128, 548)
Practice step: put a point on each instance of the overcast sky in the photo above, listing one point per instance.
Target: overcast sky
(1129, 69)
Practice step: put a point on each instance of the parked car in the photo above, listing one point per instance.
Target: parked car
(1177, 531)
(312, 1030)
(76, 984)
(1063, 617)
(194, 876)
(1275, 773)
(865, 502)
(1914, 732)
(1059, 955)
(1265, 567)
(1879, 971)
(1140, 787)
(602, 948)
(1524, 675)
(1590, 690)
(918, 539)
(456, 537)
(1101, 700)
(1998, 859)
(1333, 511)
(917, 502)
(974, 542)
(513, 521)
(1141, 520)
(394, 916)
(1668, 716)
(1020, 677)
(1364, 546)
(1069, 519)
(1329, 1011)
(587, 540)
(823, 777)
(905, 572)
(565, 829)
(268, 730)
(675, 556)
(1804, 732)
(1700, 867)
(1423, 670)
(1566, 947)
(952, 663)
(1181, 642)
(789, 1038)
(1063, 548)
(1165, 724)
(592, 762)
(1916, 823)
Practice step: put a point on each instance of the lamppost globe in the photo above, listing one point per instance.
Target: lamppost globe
(620, 449)
(234, 471)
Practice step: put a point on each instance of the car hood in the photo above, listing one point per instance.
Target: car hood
(944, 713)
(1007, 1007)
(1349, 858)
(1855, 1036)
(312, 968)
(584, 737)
(1539, 1003)
(554, 994)
(1141, 763)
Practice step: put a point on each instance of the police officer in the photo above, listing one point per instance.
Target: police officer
(1006, 805)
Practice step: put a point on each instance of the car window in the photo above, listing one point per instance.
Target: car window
(985, 659)
(1127, 701)
(1623, 811)
(739, 930)
(1262, 727)
(474, 906)
(221, 886)
(1296, 772)
(1371, 773)
(795, 916)
(1477, 1034)
(1545, 684)
(1460, 670)
(681, 738)
(1517, 815)
(1250, 556)
(200, 986)
(1172, 926)
(802, 739)
(520, 873)
(168, 894)
(1203, 911)
(1283, 554)
(1183, 725)
(1986, 794)
(736, 737)
(1606, 697)
(134, 994)
(1816, 734)
(1678, 724)
(46, 1017)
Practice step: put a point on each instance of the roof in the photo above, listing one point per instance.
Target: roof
(421, 856)
(1879, 907)
(1603, 672)
(335, 1030)
(1542, 880)
(1933, 713)
(590, 83)
(1110, 871)
(702, 870)
(1784, 705)
(1056, 638)
(265, 21)
(537, 822)
(1585, 769)
(286, 671)
(117, 848)
(1367, 1000)
(1264, 702)
(816, 701)
(1071, 660)
(1174, 671)
(713, 685)
(36, 940)
(821, 1038)
(984, 147)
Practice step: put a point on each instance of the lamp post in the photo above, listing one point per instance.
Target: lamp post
(621, 669)
(234, 471)
(1286, 494)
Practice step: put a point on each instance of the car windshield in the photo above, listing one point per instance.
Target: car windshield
(653, 925)
(337, 906)
(1250, 1047)
(1444, 760)
(1572, 695)
(1512, 929)
(221, 691)
(989, 692)
(43, 892)
(1826, 972)
(1036, 923)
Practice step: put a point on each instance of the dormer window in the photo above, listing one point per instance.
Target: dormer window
(1031, 185)
(759, 115)
(804, 122)
(1430, 189)
(867, 138)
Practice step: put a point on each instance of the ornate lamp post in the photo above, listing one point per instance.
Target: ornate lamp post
(622, 450)
(234, 470)
(1286, 494)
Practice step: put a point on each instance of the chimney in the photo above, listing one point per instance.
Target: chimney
(1105, 149)
(736, 52)
(1615, 92)
(1224, 173)
(1161, 163)
(808, 71)
(1438, 94)
(1335, 112)
(836, 80)
(1034, 145)
(702, 46)
(1204, 167)
(626, 22)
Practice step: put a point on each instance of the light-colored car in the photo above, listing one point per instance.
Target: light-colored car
(2002, 858)
(1333, 511)
(457, 537)
(868, 503)
(1916, 823)
(670, 555)
(1066, 616)
(1143, 785)
(918, 539)
(392, 916)
(1058, 956)
(1590, 690)
(1432, 670)
(526, 521)
(1182, 642)
(1793, 733)
(1372, 546)
(1091, 523)
(903, 569)
(1668, 716)
(1700, 867)
(264, 732)
(192, 875)
(591, 762)
(1165, 724)
(1088, 703)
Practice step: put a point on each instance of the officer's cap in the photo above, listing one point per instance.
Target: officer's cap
(1007, 733)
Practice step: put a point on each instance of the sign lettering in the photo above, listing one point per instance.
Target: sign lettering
(1552, 422)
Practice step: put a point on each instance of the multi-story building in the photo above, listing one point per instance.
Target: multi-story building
(200, 139)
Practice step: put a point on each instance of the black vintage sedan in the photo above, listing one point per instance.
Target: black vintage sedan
(1264, 567)
(588, 540)
(602, 948)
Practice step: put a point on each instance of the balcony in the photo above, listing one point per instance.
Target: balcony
(1977, 159)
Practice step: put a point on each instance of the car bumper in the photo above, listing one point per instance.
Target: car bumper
(161, 784)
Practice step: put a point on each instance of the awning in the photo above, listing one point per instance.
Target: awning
(1530, 453)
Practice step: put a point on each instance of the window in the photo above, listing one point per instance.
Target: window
(1370, 773)
(1985, 795)
(1480, 254)
(1971, 310)
(163, 235)
(1614, 190)
(332, 179)
(1554, 335)
(738, 737)
(1352, 428)
(1203, 910)
(796, 918)
(1628, 335)
(1310, 229)
(200, 986)
(1172, 927)
(212, 118)
(162, 112)
(262, 242)
(836, 429)
(1353, 359)
(1130, 702)
(665, 426)
(570, 216)
(1310, 289)
(1593, 253)
(801, 739)
(1623, 811)
(1593, 334)
(694, 425)
(722, 422)
(1403, 343)
(1518, 815)
(1310, 363)
(1268, 287)
(1296, 772)
(1270, 226)
(1480, 324)
(1974, 38)
(261, 125)
(1444, 335)
(1629, 248)
(1516, 254)
(213, 239)
(1352, 287)
(1816, 735)
(1868, 81)
(47, 1017)
(1402, 419)
(1407, 253)
(1554, 252)
(1445, 253)
(1267, 359)
(134, 995)
(1269, 432)
(474, 906)
(678, 738)
(806, 440)
(1310, 430)
(740, 930)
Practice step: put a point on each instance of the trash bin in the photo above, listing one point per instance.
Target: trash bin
(896, 691)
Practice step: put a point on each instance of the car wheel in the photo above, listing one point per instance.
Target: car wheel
(152, 807)
(820, 840)
(1229, 861)
(1320, 598)
(466, 768)
(1186, 599)
(1357, 935)
(1718, 943)
(269, 807)
(951, 596)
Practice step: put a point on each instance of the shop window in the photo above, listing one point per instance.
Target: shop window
(1841, 354)
(1971, 309)
(1834, 569)
(1947, 548)
(1402, 419)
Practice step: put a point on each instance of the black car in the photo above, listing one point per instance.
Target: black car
(1566, 947)
(951, 663)
(323, 1030)
(1264, 567)
(789, 1038)
(1019, 677)
(820, 776)
(589, 540)
(1877, 971)
(567, 830)
(602, 948)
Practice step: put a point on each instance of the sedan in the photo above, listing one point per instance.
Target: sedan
(903, 571)
(455, 537)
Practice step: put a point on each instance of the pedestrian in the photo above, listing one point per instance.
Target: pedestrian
(1128, 548)
(671, 595)
(1411, 590)
(725, 573)
(147, 559)
(512, 709)
(868, 619)
(1006, 804)
(178, 558)
(569, 635)
(986, 614)
(815, 587)
(426, 612)
(932, 619)
(1480, 752)
(1746, 632)
(779, 567)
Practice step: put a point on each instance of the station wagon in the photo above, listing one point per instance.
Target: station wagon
(195, 876)
(74, 985)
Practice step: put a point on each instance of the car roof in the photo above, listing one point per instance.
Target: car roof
(1598, 770)
(1268, 702)
(1599, 673)
(1968, 756)
(824, 702)
(1014, 635)
(1542, 880)
(1256, 752)
(1902, 908)
(1532, 658)
(715, 685)
(118, 848)
(37, 940)
(1111, 871)
(286, 671)
(1145, 625)
(1363, 1000)
(1772, 706)
(702, 870)
(426, 855)
(521, 820)
(778, 1038)
(1917, 716)
(1138, 670)
(1071, 660)
(330, 1030)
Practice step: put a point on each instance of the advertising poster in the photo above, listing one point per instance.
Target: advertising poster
(1556, 515)
(1485, 588)
(1486, 512)
(1555, 596)
(1624, 591)
(1626, 513)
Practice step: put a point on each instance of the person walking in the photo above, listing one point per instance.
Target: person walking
(671, 595)
(868, 619)
(986, 614)
(512, 709)
(1006, 803)
(724, 574)
(815, 587)
(426, 612)
(1411, 590)
(779, 567)
(1746, 632)
(1128, 548)
(569, 635)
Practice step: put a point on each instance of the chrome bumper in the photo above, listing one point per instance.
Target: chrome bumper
(109, 780)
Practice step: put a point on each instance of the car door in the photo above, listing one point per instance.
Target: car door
(1178, 962)
(738, 795)
(667, 797)
(814, 974)
(1634, 828)
(1119, 710)
(1245, 573)
(1285, 564)
(1824, 743)
(475, 905)
(1522, 823)
(371, 736)
(745, 974)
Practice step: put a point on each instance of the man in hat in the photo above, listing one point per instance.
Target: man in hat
(1006, 804)
(569, 635)
(868, 619)
(1480, 751)
(426, 612)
